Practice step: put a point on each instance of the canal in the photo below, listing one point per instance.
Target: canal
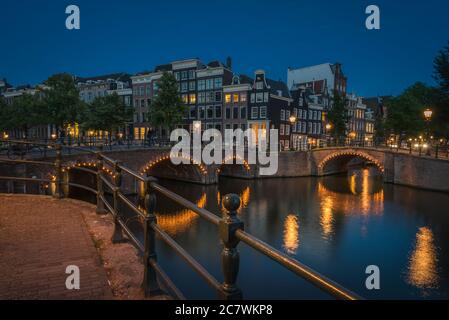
(337, 225)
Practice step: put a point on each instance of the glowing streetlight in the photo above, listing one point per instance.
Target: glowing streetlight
(53, 136)
(328, 126)
(428, 114)
(292, 119)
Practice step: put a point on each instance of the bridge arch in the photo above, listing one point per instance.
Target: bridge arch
(337, 161)
(162, 167)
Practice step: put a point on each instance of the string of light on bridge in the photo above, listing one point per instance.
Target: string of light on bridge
(351, 153)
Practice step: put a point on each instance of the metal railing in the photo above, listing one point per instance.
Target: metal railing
(230, 228)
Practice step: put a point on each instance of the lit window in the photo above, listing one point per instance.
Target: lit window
(243, 97)
(192, 98)
(227, 98)
(235, 97)
(185, 98)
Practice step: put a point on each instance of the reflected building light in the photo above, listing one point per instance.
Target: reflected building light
(327, 218)
(244, 197)
(182, 220)
(422, 270)
(291, 234)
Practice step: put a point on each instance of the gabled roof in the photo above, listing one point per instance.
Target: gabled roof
(278, 86)
(245, 79)
(121, 76)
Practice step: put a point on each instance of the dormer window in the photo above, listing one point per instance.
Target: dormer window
(259, 85)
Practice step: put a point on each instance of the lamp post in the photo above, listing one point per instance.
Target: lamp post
(428, 116)
(292, 120)
(328, 130)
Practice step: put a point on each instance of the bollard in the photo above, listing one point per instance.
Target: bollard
(117, 236)
(58, 173)
(230, 258)
(150, 284)
(100, 191)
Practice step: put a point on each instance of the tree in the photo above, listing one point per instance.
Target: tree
(441, 103)
(166, 109)
(107, 113)
(26, 111)
(338, 117)
(441, 69)
(405, 112)
(62, 99)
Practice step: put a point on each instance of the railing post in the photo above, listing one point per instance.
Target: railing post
(100, 190)
(117, 236)
(436, 151)
(230, 258)
(58, 172)
(150, 284)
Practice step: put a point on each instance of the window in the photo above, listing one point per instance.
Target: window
(209, 84)
(210, 112)
(304, 115)
(243, 126)
(142, 91)
(218, 112)
(310, 115)
(155, 86)
(287, 115)
(283, 114)
(192, 85)
(201, 97)
(235, 97)
(218, 126)
(287, 129)
(142, 103)
(185, 98)
(265, 97)
(235, 112)
(148, 90)
(259, 97)
(191, 74)
(218, 83)
(201, 84)
(210, 96)
(304, 128)
(228, 112)
(136, 103)
(192, 98)
(217, 96)
(281, 130)
(243, 97)
(309, 127)
(243, 113)
(263, 112)
(259, 85)
(227, 97)
(252, 97)
(184, 86)
(192, 114)
(202, 112)
(295, 112)
(177, 76)
(184, 75)
(254, 112)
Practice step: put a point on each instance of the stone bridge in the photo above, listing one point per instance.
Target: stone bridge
(399, 168)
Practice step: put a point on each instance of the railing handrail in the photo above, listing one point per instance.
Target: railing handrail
(230, 230)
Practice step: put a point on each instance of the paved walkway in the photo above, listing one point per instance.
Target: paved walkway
(39, 238)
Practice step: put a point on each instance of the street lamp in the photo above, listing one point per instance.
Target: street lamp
(428, 116)
(292, 119)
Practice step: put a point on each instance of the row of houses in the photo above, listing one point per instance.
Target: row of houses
(217, 97)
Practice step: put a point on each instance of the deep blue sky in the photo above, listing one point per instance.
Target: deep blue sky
(136, 35)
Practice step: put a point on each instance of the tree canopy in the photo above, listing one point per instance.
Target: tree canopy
(62, 99)
(338, 117)
(107, 113)
(166, 109)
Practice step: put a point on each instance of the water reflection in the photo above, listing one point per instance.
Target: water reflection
(337, 225)
(365, 196)
(181, 220)
(422, 270)
(291, 234)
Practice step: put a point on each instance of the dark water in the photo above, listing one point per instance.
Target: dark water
(337, 225)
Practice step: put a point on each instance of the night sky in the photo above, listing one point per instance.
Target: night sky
(136, 35)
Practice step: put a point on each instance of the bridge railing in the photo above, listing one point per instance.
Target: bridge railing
(109, 176)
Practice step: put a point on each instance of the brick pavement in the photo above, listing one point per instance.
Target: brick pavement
(39, 238)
